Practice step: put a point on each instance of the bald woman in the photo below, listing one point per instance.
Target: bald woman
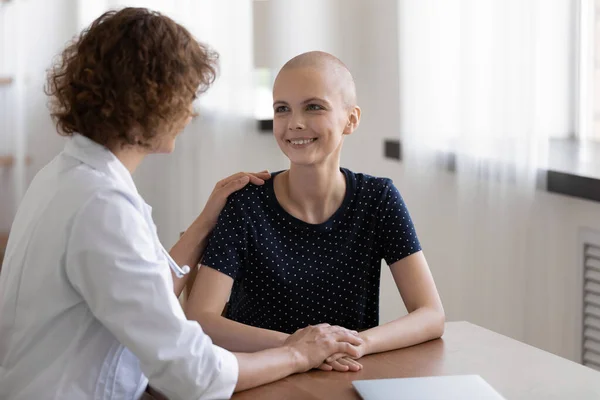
(306, 247)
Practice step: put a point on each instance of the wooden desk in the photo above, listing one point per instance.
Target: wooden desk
(514, 369)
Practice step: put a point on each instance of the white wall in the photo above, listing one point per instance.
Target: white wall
(35, 31)
(479, 274)
(278, 40)
(57, 21)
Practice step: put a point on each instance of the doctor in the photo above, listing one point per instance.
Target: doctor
(88, 302)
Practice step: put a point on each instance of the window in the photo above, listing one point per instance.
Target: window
(588, 71)
(263, 86)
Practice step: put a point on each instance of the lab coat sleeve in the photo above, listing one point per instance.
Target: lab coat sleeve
(113, 261)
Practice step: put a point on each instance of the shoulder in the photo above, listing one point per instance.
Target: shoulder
(96, 193)
(248, 193)
(373, 187)
(69, 187)
(94, 196)
(111, 218)
(249, 197)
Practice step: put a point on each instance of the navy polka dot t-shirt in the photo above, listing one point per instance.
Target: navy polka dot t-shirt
(289, 274)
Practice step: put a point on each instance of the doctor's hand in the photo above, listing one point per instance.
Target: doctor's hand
(314, 344)
(224, 188)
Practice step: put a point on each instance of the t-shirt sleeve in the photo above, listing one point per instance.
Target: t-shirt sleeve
(226, 249)
(397, 234)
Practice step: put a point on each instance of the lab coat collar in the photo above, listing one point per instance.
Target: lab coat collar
(100, 158)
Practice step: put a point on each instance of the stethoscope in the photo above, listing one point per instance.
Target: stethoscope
(179, 271)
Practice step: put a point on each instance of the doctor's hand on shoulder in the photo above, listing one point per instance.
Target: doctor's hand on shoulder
(224, 188)
(191, 244)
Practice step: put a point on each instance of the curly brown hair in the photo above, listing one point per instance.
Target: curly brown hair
(131, 74)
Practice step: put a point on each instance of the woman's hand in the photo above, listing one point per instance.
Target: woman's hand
(343, 364)
(313, 344)
(224, 188)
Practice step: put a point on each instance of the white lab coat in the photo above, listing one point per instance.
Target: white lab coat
(87, 309)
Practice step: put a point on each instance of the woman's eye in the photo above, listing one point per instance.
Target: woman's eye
(281, 109)
(314, 107)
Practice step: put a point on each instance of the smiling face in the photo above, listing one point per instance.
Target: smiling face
(312, 114)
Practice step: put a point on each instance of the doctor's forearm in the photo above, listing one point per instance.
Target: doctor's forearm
(235, 336)
(189, 249)
(265, 366)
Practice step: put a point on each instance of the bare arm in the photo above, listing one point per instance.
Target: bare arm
(191, 245)
(425, 319)
(205, 305)
(265, 366)
(189, 249)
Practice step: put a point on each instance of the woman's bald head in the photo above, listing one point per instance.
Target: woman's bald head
(333, 70)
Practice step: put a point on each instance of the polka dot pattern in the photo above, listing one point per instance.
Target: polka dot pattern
(289, 274)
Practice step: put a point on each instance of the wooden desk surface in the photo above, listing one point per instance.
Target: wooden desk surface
(514, 369)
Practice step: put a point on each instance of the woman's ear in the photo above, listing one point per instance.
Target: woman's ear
(353, 121)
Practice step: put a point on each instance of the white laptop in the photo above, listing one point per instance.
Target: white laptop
(457, 387)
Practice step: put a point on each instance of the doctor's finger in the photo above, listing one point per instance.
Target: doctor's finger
(224, 182)
(257, 178)
(234, 186)
(335, 357)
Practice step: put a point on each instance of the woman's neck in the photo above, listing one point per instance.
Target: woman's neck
(311, 193)
(130, 156)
